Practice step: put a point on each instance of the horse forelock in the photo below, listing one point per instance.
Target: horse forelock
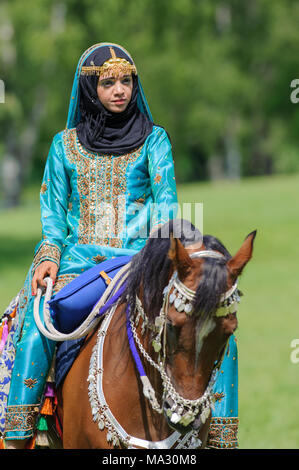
(213, 281)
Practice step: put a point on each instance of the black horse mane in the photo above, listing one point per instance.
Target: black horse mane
(151, 269)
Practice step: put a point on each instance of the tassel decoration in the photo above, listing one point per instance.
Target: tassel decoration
(4, 334)
(42, 439)
(13, 313)
(42, 424)
(4, 328)
(47, 408)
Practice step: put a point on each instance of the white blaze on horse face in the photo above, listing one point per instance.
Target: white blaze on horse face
(206, 328)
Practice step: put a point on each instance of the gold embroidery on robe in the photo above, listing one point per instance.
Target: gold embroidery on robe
(99, 258)
(62, 280)
(21, 417)
(223, 433)
(102, 185)
(46, 252)
(158, 178)
(43, 188)
(30, 383)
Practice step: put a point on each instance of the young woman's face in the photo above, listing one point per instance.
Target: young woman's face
(115, 93)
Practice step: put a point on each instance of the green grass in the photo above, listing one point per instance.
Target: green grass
(20, 230)
(268, 314)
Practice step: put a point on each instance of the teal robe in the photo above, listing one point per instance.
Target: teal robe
(93, 207)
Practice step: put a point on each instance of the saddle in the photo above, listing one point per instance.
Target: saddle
(72, 304)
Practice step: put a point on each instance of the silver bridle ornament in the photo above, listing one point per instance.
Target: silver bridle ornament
(182, 297)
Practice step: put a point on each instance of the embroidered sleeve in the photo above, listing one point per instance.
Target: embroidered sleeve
(46, 252)
(54, 199)
(163, 184)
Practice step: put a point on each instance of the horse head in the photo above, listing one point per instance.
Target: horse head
(188, 301)
(202, 315)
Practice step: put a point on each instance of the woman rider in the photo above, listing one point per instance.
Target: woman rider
(109, 180)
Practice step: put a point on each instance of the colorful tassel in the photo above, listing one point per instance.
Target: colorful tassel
(42, 424)
(47, 408)
(4, 328)
(50, 390)
(13, 313)
(4, 334)
(58, 425)
(2, 445)
(42, 439)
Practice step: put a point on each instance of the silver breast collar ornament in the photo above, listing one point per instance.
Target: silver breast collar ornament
(103, 416)
(183, 411)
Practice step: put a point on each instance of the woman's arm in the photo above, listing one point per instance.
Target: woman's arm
(54, 195)
(162, 176)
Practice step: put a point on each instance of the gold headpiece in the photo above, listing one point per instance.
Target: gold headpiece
(113, 67)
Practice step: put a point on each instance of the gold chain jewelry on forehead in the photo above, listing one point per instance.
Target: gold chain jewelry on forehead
(114, 67)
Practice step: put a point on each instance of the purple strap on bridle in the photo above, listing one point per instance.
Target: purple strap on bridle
(112, 300)
(108, 304)
(132, 345)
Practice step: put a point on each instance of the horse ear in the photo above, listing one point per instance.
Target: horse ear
(238, 262)
(179, 256)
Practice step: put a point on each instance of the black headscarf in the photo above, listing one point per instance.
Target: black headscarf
(102, 131)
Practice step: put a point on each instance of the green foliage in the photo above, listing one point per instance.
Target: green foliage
(217, 74)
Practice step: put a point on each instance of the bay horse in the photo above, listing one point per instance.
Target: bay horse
(144, 378)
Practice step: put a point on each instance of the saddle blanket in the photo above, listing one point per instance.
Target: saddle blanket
(66, 353)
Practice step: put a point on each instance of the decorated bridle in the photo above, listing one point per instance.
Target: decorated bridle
(182, 297)
(182, 410)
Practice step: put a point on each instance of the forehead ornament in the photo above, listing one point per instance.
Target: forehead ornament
(113, 67)
(182, 297)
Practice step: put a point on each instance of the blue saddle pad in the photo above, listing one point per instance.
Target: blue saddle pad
(73, 303)
(67, 351)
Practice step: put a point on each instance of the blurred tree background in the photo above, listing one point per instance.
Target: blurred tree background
(218, 76)
(216, 73)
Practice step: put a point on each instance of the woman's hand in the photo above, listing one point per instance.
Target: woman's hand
(45, 269)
